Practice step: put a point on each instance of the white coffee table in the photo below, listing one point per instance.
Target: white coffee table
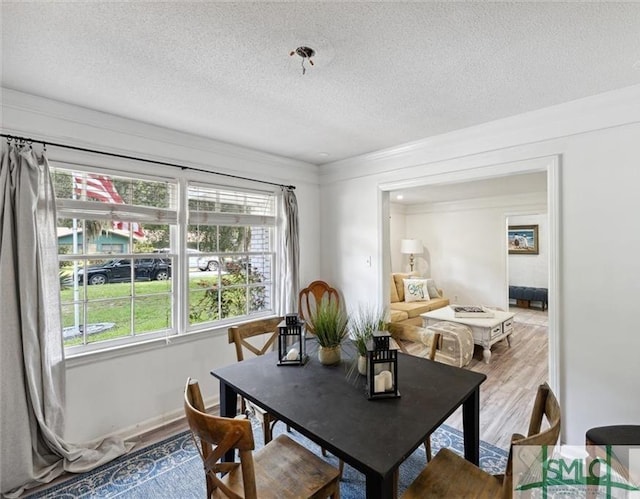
(486, 331)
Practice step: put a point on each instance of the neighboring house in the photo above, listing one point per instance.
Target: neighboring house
(112, 241)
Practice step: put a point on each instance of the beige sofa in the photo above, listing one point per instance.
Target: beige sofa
(405, 322)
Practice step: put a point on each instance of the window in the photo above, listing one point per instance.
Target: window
(123, 276)
(112, 248)
(234, 231)
(114, 290)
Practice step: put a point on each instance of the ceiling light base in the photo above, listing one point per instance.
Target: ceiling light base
(306, 53)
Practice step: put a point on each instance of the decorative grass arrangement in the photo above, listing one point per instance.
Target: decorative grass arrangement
(329, 324)
(363, 323)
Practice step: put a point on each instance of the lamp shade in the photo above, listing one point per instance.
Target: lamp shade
(410, 246)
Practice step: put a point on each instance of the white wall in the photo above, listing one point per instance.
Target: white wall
(597, 144)
(465, 245)
(130, 390)
(531, 270)
(397, 231)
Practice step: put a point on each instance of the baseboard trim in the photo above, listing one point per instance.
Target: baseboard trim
(143, 433)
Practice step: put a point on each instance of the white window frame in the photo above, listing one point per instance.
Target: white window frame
(179, 219)
(75, 208)
(239, 220)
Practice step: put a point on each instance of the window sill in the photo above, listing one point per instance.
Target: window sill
(81, 359)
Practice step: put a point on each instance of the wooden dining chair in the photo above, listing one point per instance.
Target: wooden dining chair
(281, 469)
(265, 331)
(308, 300)
(433, 348)
(240, 334)
(450, 475)
(311, 296)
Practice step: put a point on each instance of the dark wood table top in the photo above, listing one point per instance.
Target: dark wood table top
(329, 405)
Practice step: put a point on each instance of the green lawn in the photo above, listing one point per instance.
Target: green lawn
(111, 303)
(123, 289)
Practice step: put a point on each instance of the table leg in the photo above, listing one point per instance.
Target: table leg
(228, 409)
(381, 488)
(486, 353)
(471, 426)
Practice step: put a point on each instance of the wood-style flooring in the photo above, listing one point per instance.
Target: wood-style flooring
(513, 376)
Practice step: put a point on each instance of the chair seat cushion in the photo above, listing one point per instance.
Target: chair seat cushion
(449, 475)
(415, 308)
(614, 435)
(397, 315)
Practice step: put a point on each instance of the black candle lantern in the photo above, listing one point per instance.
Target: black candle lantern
(382, 367)
(292, 347)
(291, 319)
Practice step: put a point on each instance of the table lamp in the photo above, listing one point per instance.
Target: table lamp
(410, 247)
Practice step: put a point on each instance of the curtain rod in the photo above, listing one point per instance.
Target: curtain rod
(124, 156)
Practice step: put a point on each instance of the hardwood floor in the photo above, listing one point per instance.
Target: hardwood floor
(513, 376)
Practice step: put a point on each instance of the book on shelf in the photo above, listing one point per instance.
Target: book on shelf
(469, 311)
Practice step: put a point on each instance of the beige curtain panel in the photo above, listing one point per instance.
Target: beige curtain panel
(288, 252)
(31, 352)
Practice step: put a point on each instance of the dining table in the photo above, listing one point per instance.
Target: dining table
(329, 405)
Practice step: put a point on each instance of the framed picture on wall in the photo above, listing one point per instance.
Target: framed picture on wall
(522, 239)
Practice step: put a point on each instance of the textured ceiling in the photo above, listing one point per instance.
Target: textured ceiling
(384, 74)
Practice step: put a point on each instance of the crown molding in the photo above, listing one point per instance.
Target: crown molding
(55, 121)
(602, 111)
(534, 202)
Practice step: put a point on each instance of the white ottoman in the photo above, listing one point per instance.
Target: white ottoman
(456, 344)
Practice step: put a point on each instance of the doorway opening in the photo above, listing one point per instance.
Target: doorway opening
(457, 204)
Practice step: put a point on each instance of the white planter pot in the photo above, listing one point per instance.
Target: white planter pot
(362, 365)
(329, 355)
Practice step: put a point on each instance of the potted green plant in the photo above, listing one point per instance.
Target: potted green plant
(329, 323)
(363, 323)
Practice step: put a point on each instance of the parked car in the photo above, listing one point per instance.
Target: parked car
(196, 260)
(119, 270)
(208, 263)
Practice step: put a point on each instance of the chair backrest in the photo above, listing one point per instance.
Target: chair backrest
(216, 437)
(314, 293)
(240, 333)
(547, 405)
(435, 340)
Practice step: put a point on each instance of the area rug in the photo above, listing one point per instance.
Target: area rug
(172, 469)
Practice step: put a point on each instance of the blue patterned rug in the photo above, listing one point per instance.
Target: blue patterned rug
(173, 469)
